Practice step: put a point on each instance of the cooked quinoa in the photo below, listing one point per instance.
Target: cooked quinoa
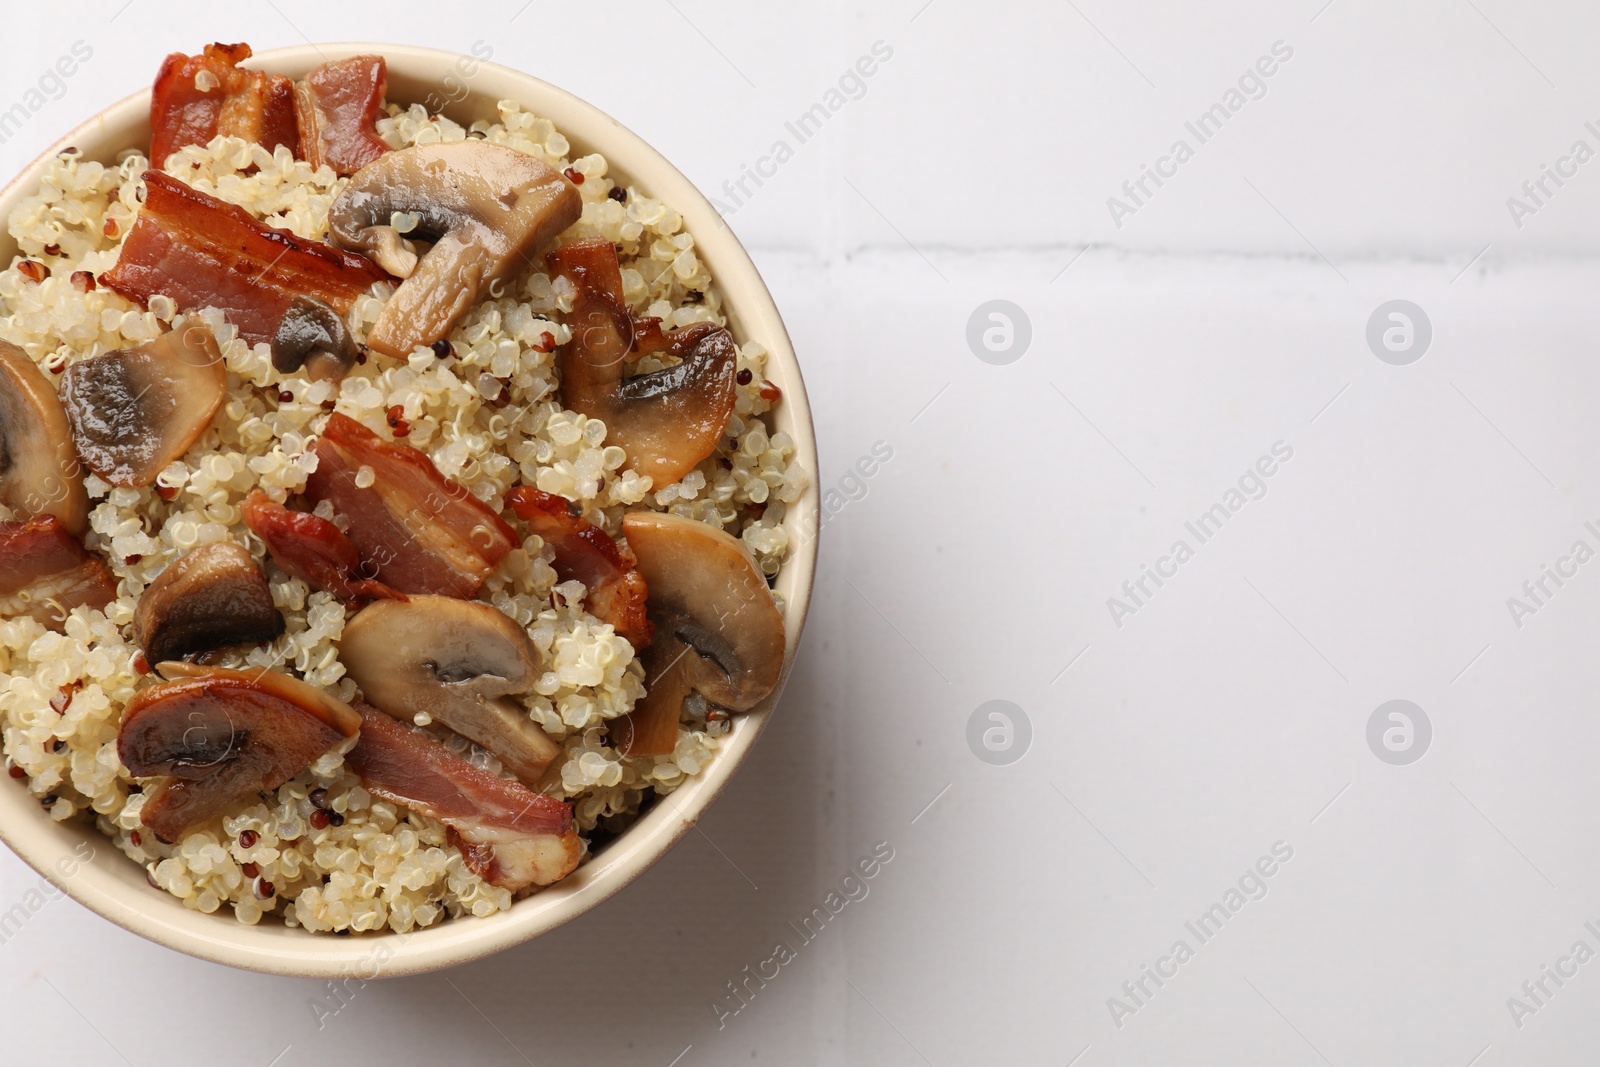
(487, 414)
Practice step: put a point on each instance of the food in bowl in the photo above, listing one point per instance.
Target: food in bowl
(389, 515)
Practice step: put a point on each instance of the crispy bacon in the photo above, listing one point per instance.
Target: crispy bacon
(507, 833)
(196, 98)
(310, 547)
(616, 589)
(204, 252)
(423, 532)
(336, 107)
(45, 572)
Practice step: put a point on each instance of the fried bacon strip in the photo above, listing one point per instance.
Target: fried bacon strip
(204, 252)
(616, 589)
(310, 547)
(196, 98)
(422, 531)
(337, 107)
(45, 572)
(509, 835)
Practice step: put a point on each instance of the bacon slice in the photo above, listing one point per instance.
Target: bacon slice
(205, 252)
(423, 532)
(336, 108)
(310, 547)
(196, 98)
(616, 589)
(45, 572)
(507, 833)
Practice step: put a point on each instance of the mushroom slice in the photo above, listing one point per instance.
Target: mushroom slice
(509, 835)
(209, 598)
(312, 335)
(583, 551)
(718, 630)
(668, 420)
(45, 572)
(39, 472)
(220, 736)
(314, 549)
(457, 661)
(136, 410)
(486, 207)
(422, 532)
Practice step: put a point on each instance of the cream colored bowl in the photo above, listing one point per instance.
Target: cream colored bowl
(115, 886)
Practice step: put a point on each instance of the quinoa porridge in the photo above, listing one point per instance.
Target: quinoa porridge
(371, 585)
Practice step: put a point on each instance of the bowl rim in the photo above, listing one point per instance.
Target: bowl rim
(111, 885)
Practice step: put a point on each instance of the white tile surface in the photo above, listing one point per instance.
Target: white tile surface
(1227, 714)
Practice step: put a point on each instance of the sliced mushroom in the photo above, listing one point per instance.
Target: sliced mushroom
(457, 661)
(210, 598)
(509, 835)
(668, 420)
(45, 572)
(39, 472)
(221, 736)
(486, 207)
(136, 410)
(312, 336)
(718, 631)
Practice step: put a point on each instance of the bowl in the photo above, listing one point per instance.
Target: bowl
(84, 864)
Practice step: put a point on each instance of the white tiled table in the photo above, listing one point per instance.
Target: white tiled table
(1226, 716)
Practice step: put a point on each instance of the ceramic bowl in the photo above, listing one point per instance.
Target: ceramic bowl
(115, 887)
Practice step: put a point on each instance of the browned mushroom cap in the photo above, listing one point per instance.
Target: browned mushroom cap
(718, 630)
(456, 660)
(312, 336)
(486, 207)
(213, 597)
(668, 420)
(222, 736)
(136, 410)
(39, 473)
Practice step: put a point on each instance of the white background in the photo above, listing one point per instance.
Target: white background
(1168, 754)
